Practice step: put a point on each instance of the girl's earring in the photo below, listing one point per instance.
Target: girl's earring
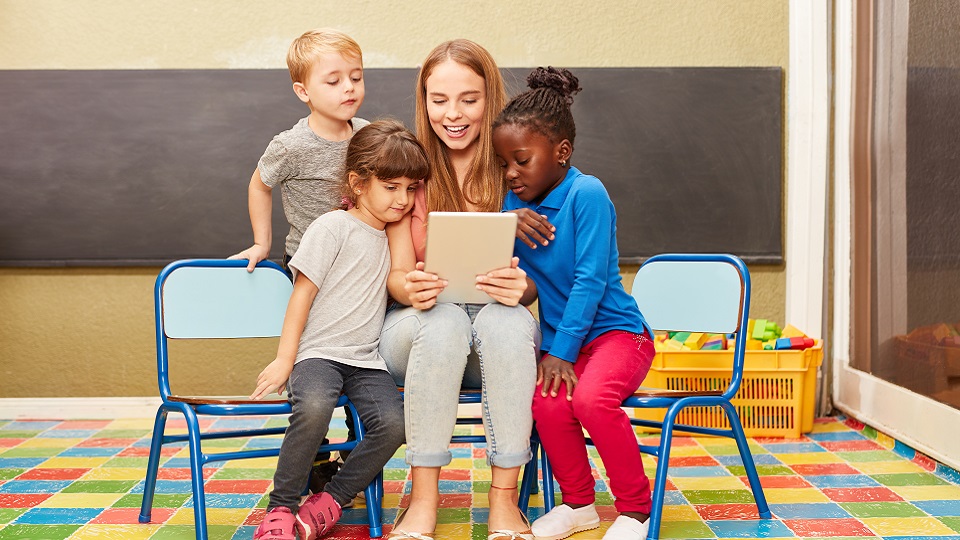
(563, 163)
(358, 192)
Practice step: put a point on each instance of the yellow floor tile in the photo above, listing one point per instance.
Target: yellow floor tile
(81, 500)
(829, 427)
(794, 495)
(115, 473)
(115, 532)
(482, 474)
(672, 512)
(184, 516)
(132, 423)
(903, 526)
(453, 530)
(886, 441)
(928, 493)
(718, 482)
(888, 467)
(253, 463)
(391, 500)
(461, 463)
(73, 462)
(688, 451)
(809, 458)
(49, 443)
(225, 516)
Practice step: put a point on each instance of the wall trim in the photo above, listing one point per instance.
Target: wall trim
(808, 136)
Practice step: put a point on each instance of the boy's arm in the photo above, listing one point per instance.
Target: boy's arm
(274, 377)
(260, 204)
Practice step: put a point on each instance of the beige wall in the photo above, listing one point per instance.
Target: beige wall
(89, 332)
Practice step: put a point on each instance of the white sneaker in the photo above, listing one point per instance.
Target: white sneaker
(627, 528)
(563, 521)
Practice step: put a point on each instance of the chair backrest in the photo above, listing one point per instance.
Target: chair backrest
(697, 293)
(217, 298)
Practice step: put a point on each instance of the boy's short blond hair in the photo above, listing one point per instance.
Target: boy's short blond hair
(306, 49)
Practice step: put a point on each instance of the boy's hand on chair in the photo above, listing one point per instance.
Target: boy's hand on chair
(254, 254)
(273, 378)
(505, 285)
(533, 228)
(551, 371)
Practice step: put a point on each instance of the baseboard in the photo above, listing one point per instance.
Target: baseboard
(105, 408)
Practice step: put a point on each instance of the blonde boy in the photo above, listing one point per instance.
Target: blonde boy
(306, 161)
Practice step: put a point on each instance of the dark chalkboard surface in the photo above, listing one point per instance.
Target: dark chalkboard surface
(144, 167)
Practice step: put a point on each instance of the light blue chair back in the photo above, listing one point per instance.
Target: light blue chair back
(690, 295)
(224, 302)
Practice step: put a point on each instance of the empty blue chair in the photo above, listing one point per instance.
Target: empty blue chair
(216, 299)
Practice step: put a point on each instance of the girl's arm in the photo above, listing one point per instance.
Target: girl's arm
(260, 205)
(407, 283)
(274, 377)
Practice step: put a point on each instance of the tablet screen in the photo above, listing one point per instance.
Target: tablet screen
(462, 245)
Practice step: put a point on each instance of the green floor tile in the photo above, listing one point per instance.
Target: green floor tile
(762, 470)
(130, 462)
(160, 500)
(870, 455)
(9, 514)
(395, 474)
(869, 432)
(32, 452)
(718, 496)
(685, 529)
(9, 474)
(952, 522)
(263, 501)
(453, 515)
(481, 486)
(908, 479)
(478, 531)
(244, 474)
(9, 434)
(37, 532)
(604, 498)
(100, 486)
(276, 422)
(186, 532)
(122, 433)
(882, 509)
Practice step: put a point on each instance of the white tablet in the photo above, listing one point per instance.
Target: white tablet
(462, 245)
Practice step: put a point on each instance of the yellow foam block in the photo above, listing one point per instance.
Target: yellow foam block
(696, 340)
(791, 331)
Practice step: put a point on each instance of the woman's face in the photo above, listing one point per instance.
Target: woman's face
(456, 100)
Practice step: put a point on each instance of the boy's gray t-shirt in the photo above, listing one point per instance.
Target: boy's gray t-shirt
(348, 261)
(309, 170)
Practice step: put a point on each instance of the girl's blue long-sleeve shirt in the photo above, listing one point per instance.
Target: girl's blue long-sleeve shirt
(578, 280)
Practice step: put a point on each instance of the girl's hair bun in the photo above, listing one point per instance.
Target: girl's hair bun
(557, 79)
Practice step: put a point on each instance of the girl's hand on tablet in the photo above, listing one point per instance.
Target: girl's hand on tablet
(423, 288)
(505, 285)
(533, 228)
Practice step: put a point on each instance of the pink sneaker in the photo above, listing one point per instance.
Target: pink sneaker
(317, 515)
(278, 524)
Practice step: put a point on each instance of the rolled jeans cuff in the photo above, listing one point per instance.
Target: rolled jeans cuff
(415, 459)
(509, 461)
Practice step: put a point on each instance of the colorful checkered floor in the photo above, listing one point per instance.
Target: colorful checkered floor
(83, 479)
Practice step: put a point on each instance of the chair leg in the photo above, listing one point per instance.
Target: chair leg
(529, 479)
(374, 495)
(547, 470)
(663, 463)
(196, 473)
(153, 465)
(747, 457)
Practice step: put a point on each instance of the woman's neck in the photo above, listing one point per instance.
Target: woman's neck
(461, 160)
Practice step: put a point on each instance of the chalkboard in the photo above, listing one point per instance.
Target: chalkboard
(115, 168)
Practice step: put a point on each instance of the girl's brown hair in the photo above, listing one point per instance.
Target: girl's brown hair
(483, 186)
(384, 149)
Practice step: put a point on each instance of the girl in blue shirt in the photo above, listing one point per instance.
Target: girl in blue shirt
(596, 346)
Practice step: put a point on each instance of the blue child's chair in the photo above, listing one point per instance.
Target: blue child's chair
(216, 299)
(689, 292)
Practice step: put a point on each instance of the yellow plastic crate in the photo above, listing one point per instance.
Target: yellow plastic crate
(776, 397)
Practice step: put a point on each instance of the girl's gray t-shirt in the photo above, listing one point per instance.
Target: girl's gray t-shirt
(348, 261)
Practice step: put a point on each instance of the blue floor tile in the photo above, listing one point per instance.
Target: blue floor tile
(34, 486)
(793, 448)
(808, 511)
(939, 508)
(58, 516)
(841, 481)
(688, 472)
(765, 528)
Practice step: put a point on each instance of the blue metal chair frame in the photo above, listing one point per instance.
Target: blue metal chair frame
(192, 407)
(688, 308)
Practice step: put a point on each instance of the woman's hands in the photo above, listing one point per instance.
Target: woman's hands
(505, 285)
(533, 228)
(273, 378)
(551, 371)
(423, 287)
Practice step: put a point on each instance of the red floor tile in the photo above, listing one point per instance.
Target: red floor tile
(181, 474)
(693, 461)
(455, 474)
(106, 443)
(53, 474)
(236, 486)
(827, 527)
(22, 500)
(121, 516)
(727, 511)
(456, 500)
(255, 517)
(83, 424)
(850, 446)
(925, 462)
(864, 494)
(779, 440)
(144, 451)
(8, 443)
(817, 469)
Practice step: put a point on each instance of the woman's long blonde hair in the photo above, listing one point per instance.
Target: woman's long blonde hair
(483, 186)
